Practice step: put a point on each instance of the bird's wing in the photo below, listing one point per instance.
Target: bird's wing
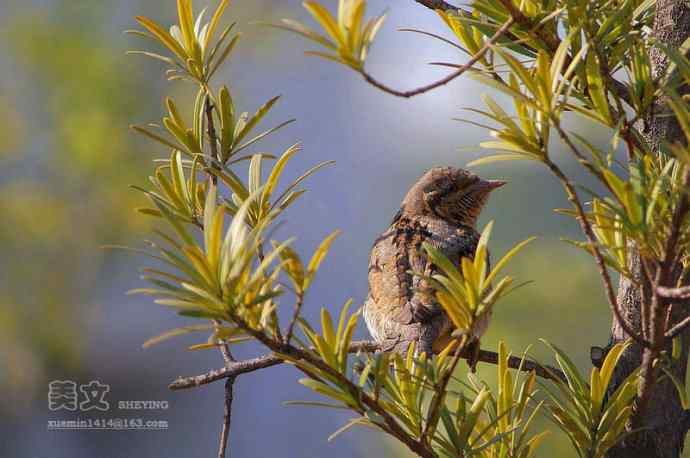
(388, 292)
(455, 243)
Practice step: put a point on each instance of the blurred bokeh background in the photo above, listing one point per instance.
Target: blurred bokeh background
(67, 95)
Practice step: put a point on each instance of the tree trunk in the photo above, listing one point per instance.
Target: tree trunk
(663, 421)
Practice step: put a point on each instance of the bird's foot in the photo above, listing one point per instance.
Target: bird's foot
(389, 344)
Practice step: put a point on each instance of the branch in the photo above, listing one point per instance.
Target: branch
(682, 292)
(542, 370)
(667, 264)
(677, 329)
(270, 360)
(295, 316)
(227, 417)
(591, 238)
(467, 66)
(229, 386)
(677, 220)
(233, 370)
(551, 41)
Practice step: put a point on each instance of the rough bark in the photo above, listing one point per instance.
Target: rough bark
(663, 421)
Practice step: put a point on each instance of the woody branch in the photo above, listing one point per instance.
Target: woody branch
(269, 360)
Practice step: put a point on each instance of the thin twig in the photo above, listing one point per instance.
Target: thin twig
(270, 360)
(227, 417)
(525, 365)
(467, 66)
(678, 328)
(299, 301)
(238, 368)
(591, 238)
(582, 159)
(227, 412)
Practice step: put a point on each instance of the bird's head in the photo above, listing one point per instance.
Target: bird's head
(449, 193)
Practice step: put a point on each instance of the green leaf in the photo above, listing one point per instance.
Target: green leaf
(209, 211)
(680, 387)
(498, 158)
(213, 24)
(326, 20)
(610, 363)
(219, 44)
(255, 119)
(226, 52)
(354, 422)
(318, 257)
(163, 36)
(174, 221)
(328, 329)
(276, 172)
(155, 137)
(677, 347)
(165, 59)
(292, 264)
(296, 27)
(255, 173)
(326, 390)
(315, 404)
(289, 195)
(575, 381)
(263, 135)
(174, 333)
(506, 258)
(186, 17)
(559, 60)
(596, 86)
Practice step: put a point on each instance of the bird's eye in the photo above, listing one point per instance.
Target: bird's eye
(438, 187)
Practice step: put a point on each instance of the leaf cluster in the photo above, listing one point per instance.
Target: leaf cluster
(593, 417)
(346, 36)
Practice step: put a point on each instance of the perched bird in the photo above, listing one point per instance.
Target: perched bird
(442, 209)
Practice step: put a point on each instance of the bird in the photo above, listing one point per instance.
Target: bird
(441, 208)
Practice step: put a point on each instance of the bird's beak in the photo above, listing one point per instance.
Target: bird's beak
(493, 184)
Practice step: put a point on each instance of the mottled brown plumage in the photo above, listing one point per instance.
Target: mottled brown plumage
(441, 208)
